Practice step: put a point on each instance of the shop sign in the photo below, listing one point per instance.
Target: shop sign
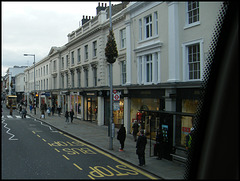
(185, 130)
(116, 96)
(116, 106)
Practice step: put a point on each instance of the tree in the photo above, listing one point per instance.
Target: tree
(111, 48)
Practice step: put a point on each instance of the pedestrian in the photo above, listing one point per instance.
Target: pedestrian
(59, 110)
(141, 144)
(159, 144)
(121, 136)
(135, 130)
(53, 107)
(66, 116)
(49, 111)
(71, 115)
(30, 107)
(189, 140)
(20, 108)
(42, 107)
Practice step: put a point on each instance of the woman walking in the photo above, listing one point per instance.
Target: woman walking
(121, 136)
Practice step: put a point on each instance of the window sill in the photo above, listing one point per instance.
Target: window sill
(191, 25)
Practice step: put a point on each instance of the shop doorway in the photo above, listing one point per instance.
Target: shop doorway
(91, 109)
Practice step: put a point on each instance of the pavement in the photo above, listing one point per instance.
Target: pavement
(98, 136)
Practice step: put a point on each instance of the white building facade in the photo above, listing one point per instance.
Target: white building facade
(162, 49)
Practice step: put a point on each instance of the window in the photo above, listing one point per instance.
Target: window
(86, 52)
(66, 80)
(79, 55)
(140, 29)
(148, 26)
(86, 77)
(123, 72)
(62, 81)
(44, 71)
(72, 75)
(67, 61)
(79, 78)
(47, 69)
(123, 38)
(192, 12)
(94, 76)
(94, 48)
(47, 84)
(54, 66)
(156, 22)
(149, 68)
(194, 61)
(62, 62)
(72, 57)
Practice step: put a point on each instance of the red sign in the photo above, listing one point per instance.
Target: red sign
(114, 91)
(186, 129)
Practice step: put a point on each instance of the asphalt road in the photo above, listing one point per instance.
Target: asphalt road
(34, 150)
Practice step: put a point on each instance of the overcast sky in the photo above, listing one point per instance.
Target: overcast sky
(34, 27)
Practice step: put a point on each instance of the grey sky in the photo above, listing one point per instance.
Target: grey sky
(34, 27)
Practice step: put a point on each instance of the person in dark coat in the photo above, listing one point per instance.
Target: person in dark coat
(141, 145)
(159, 144)
(71, 115)
(135, 130)
(67, 116)
(121, 136)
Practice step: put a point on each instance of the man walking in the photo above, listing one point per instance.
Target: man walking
(141, 145)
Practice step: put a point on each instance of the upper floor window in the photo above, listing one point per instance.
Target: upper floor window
(72, 57)
(140, 29)
(94, 48)
(79, 55)
(156, 22)
(192, 12)
(148, 26)
(54, 66)
(67, 61)
(193, 63)
(62, 63)
(47, 69)
(123, 38)
(94, 76)
(123, 72)
(86, 52)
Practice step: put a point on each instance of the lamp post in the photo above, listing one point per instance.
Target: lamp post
(34, 81)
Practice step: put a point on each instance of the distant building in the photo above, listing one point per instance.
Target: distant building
(10, 78)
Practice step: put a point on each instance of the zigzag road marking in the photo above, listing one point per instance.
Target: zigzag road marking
(44, 125)
(8, 129)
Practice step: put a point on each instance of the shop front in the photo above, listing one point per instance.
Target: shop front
(187, 102)
(76, 104)
(146, 100)
(90, 106)
(118, 108)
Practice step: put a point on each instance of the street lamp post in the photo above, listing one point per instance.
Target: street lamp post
(34, 81)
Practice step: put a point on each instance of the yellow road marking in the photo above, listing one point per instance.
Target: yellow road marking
(77, 166)
(115, 159)
(34, 132)
(66, 157)
(57, 150)
(38, 136)
(44, 140)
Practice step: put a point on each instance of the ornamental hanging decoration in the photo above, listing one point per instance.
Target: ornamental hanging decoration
(111, 48)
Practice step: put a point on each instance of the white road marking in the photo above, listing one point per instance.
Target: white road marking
(8, 129)
(18, 117)
(9, 116)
